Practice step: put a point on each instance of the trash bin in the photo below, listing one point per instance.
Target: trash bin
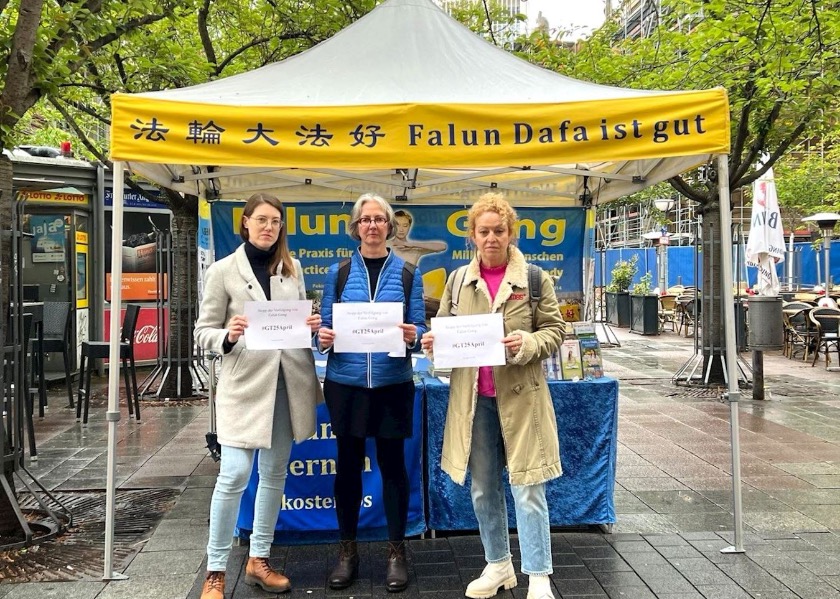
(766, 324)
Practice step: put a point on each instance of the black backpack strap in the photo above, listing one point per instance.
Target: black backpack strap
(534, 290)
(408, 282)
(343, 273)
(408, 279)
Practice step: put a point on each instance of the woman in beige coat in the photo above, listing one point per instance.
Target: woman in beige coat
(503, 417)
(264, 398)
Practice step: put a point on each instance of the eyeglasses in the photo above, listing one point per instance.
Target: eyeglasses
(379, 220)
(262, 221)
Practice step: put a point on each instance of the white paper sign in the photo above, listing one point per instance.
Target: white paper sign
(278, 324)
(469, 341)
(368, 327)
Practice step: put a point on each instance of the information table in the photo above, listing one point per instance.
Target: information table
(587, 421)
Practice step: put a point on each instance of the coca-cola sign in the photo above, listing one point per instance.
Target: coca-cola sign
(146, 334)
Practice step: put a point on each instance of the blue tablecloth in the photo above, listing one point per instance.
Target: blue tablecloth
(587, 421)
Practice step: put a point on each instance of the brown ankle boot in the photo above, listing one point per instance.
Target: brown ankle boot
(259, 572)
(347, 569)
(396, 577)
(214, 586)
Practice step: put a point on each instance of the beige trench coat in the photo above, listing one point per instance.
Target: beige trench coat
(526, 412)
(248, 378)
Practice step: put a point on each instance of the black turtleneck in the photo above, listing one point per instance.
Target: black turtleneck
(260, 260)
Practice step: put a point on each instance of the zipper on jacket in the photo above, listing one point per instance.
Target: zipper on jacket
(371, 297)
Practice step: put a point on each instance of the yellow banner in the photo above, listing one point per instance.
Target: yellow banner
(447, 135)
(55, 197)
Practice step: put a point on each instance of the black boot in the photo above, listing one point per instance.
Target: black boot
(396, 577)
(347, 569)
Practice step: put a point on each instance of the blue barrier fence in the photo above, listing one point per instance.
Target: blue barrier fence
(808, 265)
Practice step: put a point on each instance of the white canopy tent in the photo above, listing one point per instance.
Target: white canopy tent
(409, 104)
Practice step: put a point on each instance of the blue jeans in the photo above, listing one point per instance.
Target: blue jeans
(234, 474)
(487, 464)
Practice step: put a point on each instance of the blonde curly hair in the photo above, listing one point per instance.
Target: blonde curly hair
(492, 201)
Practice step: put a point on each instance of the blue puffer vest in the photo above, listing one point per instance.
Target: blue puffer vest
(373, 370)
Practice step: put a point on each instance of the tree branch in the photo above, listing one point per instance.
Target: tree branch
(781, 149)
(204, 35)
(759, 142)
(687, 190)
(744, 122)
(86, 109)
(489, 22)
(100, 156)
(67, 31)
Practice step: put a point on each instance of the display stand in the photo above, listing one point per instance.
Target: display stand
(51, 517)
(186, 362)
(606, 336)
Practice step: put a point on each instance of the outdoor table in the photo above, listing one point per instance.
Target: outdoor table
(587, 423)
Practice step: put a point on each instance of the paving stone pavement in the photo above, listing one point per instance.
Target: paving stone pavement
(673, 497)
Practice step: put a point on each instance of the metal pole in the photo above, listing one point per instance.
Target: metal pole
(727, 309)
(112, 416)
(827, 249)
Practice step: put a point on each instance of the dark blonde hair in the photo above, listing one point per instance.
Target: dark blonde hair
(282, 258)
(492, 202)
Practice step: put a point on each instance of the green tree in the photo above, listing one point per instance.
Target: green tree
(807, 185)
(42, 43)
(778, 59)
(161, 45)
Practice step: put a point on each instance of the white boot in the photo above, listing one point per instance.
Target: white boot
(494, 577)
(539, 587)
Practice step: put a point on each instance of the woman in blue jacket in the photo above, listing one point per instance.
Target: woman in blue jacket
(371, 394)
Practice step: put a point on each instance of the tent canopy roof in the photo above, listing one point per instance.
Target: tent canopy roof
(408, 103)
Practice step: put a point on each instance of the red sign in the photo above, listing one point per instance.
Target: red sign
(146, 335)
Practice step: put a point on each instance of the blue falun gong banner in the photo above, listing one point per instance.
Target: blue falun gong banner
(434, 238)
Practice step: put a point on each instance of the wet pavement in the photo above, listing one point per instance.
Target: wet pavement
(673, 497)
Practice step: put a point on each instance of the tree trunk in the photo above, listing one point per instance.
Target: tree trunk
(712, 334)
(182, 300)
(8, 521)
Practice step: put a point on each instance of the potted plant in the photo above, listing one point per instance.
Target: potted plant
(644, 307)
(617, 295)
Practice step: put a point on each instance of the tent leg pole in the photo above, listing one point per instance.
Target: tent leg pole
(112, 416)
(731, 363)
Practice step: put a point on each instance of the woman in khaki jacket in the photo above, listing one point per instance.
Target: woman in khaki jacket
(265, 398)
(502, 417)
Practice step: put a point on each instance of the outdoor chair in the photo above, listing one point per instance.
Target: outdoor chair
(827, 321)
(667, 311)
(93, 350)
(800, 333)
(688, 318)
(57, 325)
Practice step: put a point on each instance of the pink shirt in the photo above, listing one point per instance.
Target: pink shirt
(493, 277)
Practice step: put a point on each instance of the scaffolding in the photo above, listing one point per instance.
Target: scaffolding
(625, 226)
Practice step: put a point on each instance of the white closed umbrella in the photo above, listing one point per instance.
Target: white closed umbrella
(766, 242)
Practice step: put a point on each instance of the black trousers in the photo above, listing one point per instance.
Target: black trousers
(390, 456)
